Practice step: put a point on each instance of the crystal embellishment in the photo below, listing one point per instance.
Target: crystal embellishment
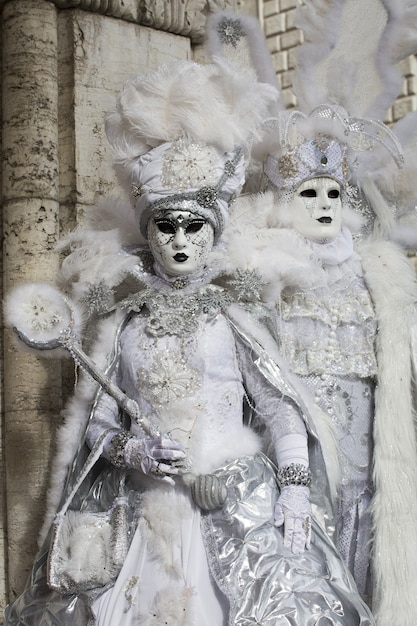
(176, 313)
(169, 378)
(98, 298)
(189, 166)
(206, 196)
(287, 166)
(230, 31)
(136, 190)
(229, 168)
(248, 284)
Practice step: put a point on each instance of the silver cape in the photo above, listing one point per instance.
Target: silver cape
(264, 581)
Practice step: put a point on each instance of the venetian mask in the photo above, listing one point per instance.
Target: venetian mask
(180, 241)
(316, 209)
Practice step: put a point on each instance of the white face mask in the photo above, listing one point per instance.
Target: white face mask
(316, 209)
(180, 241)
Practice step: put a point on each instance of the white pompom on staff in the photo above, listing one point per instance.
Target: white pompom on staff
(45, 321)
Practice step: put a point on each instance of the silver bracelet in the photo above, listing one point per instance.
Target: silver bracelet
(117, 448)
(294, 474)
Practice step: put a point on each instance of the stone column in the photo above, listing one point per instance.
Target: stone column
(2, 459)
(32, 396)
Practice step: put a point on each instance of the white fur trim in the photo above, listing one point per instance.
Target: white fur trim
(393, 289)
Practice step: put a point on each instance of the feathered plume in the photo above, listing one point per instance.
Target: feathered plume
(239, 40)
(213, 104)
(351, 52)
(320, 23)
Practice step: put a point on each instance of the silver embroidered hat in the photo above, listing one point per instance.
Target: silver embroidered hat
(187, 176)
(328, 142)
(320, 156)
(181, 136)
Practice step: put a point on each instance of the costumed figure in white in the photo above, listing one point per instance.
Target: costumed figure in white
(200, 533)
(324, 239)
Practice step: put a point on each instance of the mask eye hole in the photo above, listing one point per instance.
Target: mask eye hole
(194, 226)
(165, 227)
(334, 193)
(308, 193)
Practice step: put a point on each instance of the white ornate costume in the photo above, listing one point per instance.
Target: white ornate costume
(183, 566)
(328, 333)
(201, 538)
(346, 325)
(191, 385)
(350, 341)
(345, 314)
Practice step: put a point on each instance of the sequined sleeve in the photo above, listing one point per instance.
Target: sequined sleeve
(276, 412)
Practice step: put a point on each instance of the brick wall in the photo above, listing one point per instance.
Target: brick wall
(407, 100)
(282, 40)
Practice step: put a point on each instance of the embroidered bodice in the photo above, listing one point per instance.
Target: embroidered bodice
(331, 327)
(178, 358)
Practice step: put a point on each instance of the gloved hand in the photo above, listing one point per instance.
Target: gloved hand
(293, 510)
(160, 457)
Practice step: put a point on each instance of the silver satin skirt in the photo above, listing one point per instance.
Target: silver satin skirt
(264, 581)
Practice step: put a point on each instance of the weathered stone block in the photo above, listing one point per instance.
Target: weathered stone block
(288, 98)
(98, 71)
(29, 86)
(280, 61)
(288, 4)
(273, 44)
(291, 39)
(181, 17)
(402, 107)
(271, 7)
(274, 25)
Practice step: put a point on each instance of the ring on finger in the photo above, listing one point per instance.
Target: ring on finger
(307, 526)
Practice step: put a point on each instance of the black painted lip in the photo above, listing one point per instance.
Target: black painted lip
(325, 220)
(180, 257)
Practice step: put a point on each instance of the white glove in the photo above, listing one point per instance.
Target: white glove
(160, 457)
(293, 510)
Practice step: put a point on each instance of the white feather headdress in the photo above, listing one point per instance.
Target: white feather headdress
(181, 132)
(346, 77)
(217, 104)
